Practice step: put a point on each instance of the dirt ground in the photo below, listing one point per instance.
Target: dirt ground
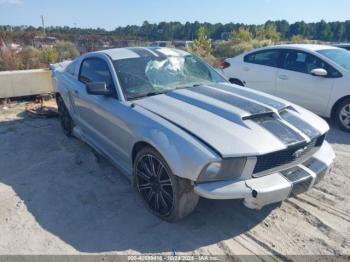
(58, 197)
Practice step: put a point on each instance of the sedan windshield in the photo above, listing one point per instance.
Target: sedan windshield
(145, 76)
(339, 56)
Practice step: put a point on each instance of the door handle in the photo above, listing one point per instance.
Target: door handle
(246, 68)
(283, 77)
(76, 92)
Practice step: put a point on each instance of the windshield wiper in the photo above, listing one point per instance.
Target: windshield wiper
(153, 93)
(187, 86)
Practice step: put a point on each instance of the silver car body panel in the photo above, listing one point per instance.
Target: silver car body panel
(190, 127)
(269, 189)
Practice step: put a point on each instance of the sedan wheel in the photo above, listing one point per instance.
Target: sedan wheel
(164, 194)
(343, 115)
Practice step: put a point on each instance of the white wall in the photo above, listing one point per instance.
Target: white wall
(25, 83)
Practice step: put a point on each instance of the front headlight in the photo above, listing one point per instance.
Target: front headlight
(226, 169)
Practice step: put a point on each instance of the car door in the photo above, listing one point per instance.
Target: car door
(296, 83)
(100, 116)
(259, 70)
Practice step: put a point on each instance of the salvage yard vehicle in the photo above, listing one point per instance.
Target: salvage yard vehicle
(316, 77)
(181, 131)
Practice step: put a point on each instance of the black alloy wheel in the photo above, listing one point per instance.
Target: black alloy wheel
(154, 184)
(165, 195)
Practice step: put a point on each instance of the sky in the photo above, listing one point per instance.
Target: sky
(109, 14)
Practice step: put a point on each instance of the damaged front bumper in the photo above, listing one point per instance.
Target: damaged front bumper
(276, 187)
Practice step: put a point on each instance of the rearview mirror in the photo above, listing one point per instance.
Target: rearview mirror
(319, 72)
(97, 88)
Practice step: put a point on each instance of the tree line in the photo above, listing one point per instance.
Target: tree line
(32, 58)
(323, 31)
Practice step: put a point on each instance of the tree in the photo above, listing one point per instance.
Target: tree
(271, 33)
(267, 32)
(282, 27)
(48, 56)
(202, 46)
(30, 57)
(323, 31)
(338, 30)
(9, 60)
(260, 33)
(241, 35)
(297, 38)
(299, 28)
(65, 50)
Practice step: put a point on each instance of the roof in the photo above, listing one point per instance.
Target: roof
(306, 47)
(135, 52)
(342, 45)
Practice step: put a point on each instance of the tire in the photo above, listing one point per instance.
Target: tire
(65, 118)
(165, 195)
(236, 82)
(342, 115)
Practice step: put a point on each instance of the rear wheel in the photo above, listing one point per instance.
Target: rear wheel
(167, 196)
(65, 118)
(342, 115)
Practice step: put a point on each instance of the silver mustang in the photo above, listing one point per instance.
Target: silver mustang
(180, 130)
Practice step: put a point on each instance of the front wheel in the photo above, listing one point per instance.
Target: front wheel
(342, 115)
(167, 196)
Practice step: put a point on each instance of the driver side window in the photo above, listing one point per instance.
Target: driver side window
(95, 70)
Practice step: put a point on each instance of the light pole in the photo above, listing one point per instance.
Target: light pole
(43, 24)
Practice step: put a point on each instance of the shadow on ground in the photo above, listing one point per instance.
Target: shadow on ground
(337, 136)
(84, 201)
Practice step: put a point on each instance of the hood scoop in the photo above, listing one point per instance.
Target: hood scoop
(271, 114)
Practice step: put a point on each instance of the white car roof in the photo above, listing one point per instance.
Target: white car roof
(305, 47)
(135, 52)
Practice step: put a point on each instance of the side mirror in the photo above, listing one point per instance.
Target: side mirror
(319, 72)
(98, 88)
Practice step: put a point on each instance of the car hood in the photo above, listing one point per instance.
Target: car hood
(235, 121)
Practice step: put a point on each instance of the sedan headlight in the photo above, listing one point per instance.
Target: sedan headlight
(226, 169)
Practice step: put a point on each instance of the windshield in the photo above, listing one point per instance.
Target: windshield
(339, 56)
(146, 76)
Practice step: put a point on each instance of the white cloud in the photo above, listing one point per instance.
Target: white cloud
(11, 2)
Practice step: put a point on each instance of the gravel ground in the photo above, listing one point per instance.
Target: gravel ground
(58, 197)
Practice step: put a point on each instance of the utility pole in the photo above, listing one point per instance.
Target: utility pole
(43, 24)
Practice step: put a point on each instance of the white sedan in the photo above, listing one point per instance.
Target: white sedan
(316, 77)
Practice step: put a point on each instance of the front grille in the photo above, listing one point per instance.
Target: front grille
(286, 156)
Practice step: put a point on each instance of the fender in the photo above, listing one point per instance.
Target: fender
(185, 155)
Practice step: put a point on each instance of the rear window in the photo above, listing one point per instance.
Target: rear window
(266, 58)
